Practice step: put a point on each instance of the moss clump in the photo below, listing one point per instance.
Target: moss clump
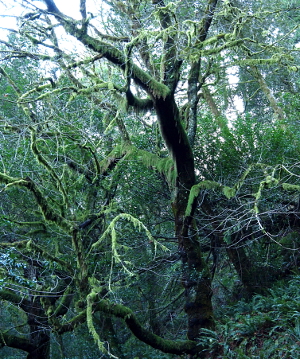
(209, 185)
(291, 187)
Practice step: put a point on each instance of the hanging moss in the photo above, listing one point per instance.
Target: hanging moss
(111, 232)
(165, 166)
(157, 89)
(90, 299)
(208, 185)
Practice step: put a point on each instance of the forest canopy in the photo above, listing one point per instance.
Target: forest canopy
(149, 179)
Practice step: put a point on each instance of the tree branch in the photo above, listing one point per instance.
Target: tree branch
(165, 345)
(125, 313)
(47, 211)
(83, 9)
(112, 54)
(51, 7)
(195, 71)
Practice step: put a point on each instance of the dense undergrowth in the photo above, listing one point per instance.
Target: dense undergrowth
(267, 326)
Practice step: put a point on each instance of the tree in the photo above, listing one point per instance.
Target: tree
(97, 167)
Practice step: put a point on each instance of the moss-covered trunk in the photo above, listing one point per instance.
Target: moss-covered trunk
(196, 277)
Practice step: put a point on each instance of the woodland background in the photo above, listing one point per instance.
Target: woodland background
(149, 180)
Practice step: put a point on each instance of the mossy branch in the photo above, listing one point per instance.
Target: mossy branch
(90, 299)
(125, 313)
(209, 185)
(277, 59)
(164, 166)
(112, 158)
(63, 303)
(14, 297)
(229, 192)
(34, 90)
(291, 187)
(216, 50)
(165, 345)
(138, 103)
(112, 54)
(96, 160)
(11, 82)
(30, 246)
(30, 224)
(111, 231)
(17, 342)
(86, 91)
(47, 211)
(42, 160)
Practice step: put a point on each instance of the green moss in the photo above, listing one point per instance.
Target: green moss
(293, 68)
(229, 192)
(4, 178)
(90, 324)
(111, 232)
(275, 59)
(165, 345)
(291, 187)
(36, 89)
(270, 181)
(157, 89)
(165, 166)
(195, 190)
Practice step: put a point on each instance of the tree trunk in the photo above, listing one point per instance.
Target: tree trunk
(196, 277)
(248, 273)
(39, 336)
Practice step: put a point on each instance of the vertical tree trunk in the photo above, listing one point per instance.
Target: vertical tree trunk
(39, 334)
(196, 277)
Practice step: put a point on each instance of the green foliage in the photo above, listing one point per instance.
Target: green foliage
(264, 327)
(95, 219)
(247, 142)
